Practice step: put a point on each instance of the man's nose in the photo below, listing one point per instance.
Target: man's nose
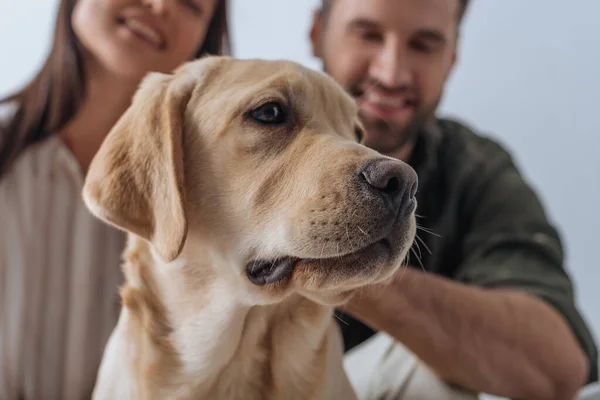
(158, 7)
(390, 66)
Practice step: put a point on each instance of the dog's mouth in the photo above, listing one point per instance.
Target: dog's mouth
(264, 272)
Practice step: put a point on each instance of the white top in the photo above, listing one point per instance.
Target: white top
(59, 278)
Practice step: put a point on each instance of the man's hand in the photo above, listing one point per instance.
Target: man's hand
(500, 342)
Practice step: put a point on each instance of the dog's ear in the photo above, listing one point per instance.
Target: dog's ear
(136, 180)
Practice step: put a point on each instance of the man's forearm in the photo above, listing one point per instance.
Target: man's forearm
(494, 341)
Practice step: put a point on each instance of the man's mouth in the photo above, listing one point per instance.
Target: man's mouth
(388, 101)
(145, 32)
(263, 272)
(387, 106)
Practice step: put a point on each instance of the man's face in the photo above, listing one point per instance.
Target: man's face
(394, 57)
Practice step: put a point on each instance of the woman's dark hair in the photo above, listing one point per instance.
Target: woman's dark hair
(54, 95)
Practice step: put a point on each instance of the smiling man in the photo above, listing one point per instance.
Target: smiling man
(494, 310)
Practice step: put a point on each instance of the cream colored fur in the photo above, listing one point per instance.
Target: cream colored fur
(203, 189)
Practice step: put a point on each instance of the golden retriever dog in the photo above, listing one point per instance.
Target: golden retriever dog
(252, 210)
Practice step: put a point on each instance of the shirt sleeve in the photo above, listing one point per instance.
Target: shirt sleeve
(510, 243)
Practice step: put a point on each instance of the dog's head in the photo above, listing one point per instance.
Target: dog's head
(255, 165)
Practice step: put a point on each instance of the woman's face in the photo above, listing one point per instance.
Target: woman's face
(133, 37)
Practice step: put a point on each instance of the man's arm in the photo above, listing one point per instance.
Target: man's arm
(500, 342)
(506, 324)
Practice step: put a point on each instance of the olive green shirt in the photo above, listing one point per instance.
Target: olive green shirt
(491, 228)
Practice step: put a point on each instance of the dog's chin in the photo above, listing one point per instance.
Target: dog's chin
(330, 298)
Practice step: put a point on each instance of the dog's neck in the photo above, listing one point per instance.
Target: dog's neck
(189, 338)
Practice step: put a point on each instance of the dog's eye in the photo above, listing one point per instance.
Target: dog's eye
(270, 113)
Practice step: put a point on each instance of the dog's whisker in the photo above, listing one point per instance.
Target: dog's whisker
(323, 250)
(418, 259)
(340, 319)
(416, 244)
(422, 229)
(348, 235)
(262, 253)
(423, 243)
(351, 238)
(347, 232)
(259, 255)
(409, 253)
(274, 262)
(427, 230)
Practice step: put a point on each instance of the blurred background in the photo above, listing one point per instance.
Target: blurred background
(527, 75)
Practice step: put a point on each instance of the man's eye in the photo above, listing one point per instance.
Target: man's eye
(271, 113)
(371, 36)
(422, 46)
(192, 5)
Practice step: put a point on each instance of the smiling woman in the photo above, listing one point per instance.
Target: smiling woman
(129, 40)
(59, 273)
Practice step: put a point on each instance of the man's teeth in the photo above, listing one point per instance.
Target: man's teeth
(145, 31)
(385, 101)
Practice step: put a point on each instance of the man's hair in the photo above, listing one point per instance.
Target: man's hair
(463, 5)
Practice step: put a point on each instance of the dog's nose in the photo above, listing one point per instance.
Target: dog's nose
(394, 180)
